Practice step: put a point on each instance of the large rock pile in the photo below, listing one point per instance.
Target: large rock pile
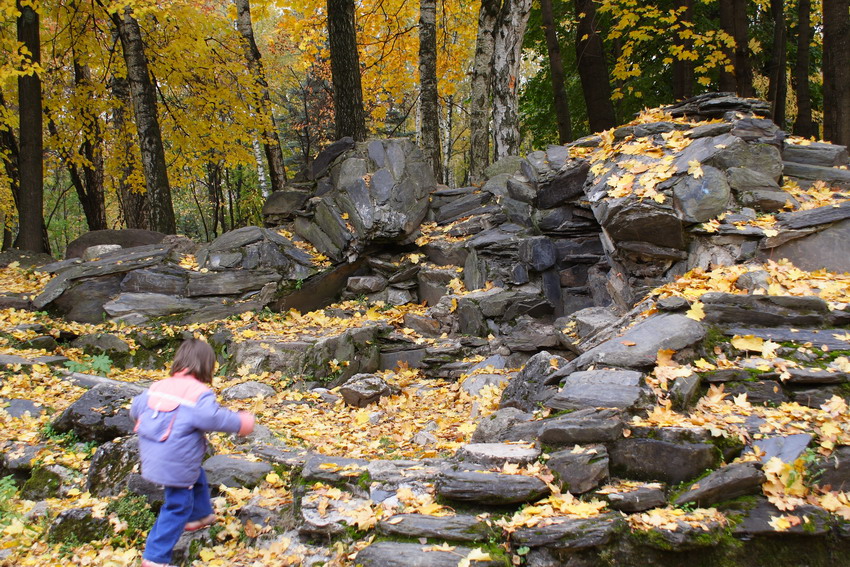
(626, 416)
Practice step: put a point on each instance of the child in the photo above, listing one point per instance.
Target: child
(171, 418)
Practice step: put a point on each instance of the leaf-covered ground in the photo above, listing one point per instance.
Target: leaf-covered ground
(386, 429)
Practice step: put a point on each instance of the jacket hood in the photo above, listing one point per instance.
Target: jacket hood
(180, 389)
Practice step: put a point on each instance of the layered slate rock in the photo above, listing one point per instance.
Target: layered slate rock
(587, 425)
(765, 310)
(497, 454)
(726, 483)
(651, 459)
(391, 554)
(310, 355)
(581, 469)
(570, 534)
(599, 389)
(450, 528)
(524, 389)
(376, 192)
(489, 488)
(757, 520)
(636, 498)
(364, 389)
(235, 471)
(638, 347)
(100, 414)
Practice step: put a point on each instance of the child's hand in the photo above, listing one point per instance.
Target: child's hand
(247, 420)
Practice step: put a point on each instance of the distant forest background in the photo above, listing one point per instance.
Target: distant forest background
(183, 117)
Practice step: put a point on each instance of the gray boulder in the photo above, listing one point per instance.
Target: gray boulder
(100, 414)
(235, 471)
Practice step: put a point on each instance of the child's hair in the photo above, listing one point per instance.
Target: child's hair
(197, 358)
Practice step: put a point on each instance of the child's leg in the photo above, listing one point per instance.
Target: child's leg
(202, 506)
(169, 524)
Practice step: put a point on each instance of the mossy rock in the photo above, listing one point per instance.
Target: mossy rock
(78, 525)
(42, 484)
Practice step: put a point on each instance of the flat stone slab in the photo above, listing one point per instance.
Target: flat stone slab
(599, 389)
(19, 408)
(319, 468)
(583, 426)
(497, 454)
(638, 347)
(813, 521)
(391, 554)
(235, 471)
(569, 534)
(636, 499)
(450, 528)
(806, 376)
(732, 481)
(767, 310)
(818, 337)
(650, 459)
(490, 488)
(788, 448)
(14, 359)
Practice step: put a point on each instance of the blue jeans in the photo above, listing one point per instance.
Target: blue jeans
(182, 505)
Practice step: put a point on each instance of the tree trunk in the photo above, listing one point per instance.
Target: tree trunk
(507, 57)
(448, 144)
(143, 94)
(556, 69)
(593, 69)
(836, 71)
(345, 70)
(429, 105)
(479, 111)
(726, 80)
(683, 71)
(803, 125)
(90, 186)
(134, 204)
(9, 155)
(31, 188)
(778, 88)
(743, 66)
(271, 142)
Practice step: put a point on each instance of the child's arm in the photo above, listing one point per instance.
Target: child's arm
(209, 416)
(136, 407)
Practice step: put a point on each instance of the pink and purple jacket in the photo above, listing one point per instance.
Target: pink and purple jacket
(171, 419)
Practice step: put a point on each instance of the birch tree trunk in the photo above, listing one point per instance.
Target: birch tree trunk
(345, 70)
(271, 142)
(479, 112)
(507, 57)
(836, 71)
(556, 69)
(448, 144)
(803, 125)
(30, 160)
(143, 95)
(428, 103)
(593, 69)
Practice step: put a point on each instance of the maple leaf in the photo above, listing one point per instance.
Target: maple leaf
(695, 169)
(696, 311)
(747, 342)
